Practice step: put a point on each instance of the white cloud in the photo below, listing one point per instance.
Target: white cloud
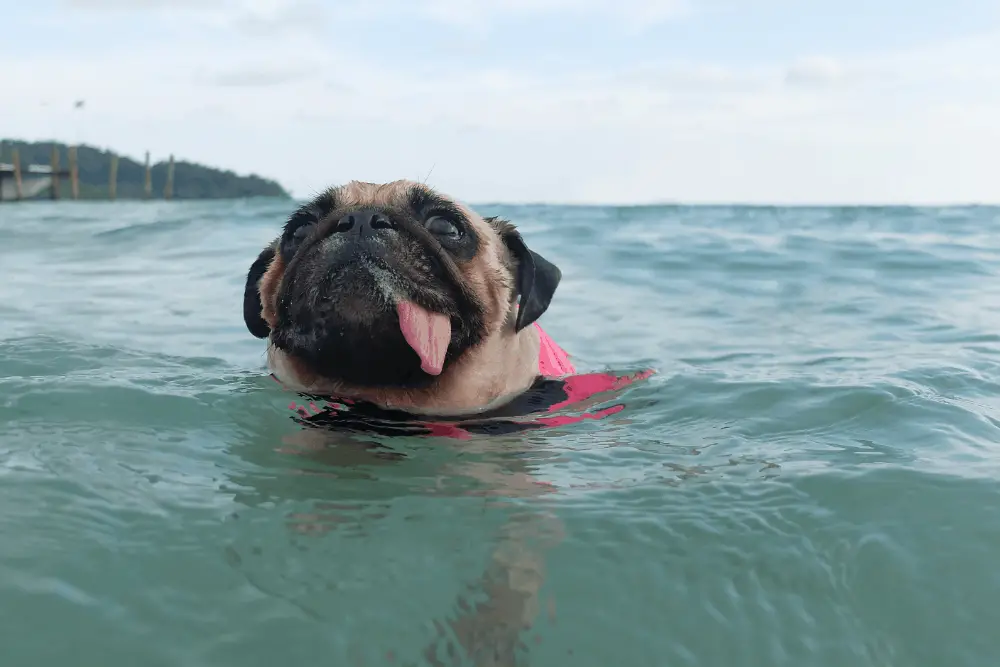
(134, 4)
(260, 18)
(264, 16)
(477, 13)
(265, 75)
(288, 18)
(913, 125)
(815, 70)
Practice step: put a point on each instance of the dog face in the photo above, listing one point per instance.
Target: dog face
(390, 286)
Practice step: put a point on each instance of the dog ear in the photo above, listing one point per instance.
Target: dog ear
(251, 294)
(537, 277)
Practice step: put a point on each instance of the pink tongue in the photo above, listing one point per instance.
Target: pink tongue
(427, 333)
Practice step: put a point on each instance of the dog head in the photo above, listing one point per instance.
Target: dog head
(390, 286)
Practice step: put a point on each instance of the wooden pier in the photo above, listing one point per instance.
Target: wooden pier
(20, 181)
(51, 170)
(17, 184)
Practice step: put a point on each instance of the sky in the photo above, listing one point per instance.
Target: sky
(560, 101)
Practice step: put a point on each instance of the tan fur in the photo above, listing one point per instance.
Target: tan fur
(268, 288)
(502, 366)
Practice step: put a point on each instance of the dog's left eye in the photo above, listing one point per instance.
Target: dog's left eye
(291, 242)
(442, 227)
(302, 232)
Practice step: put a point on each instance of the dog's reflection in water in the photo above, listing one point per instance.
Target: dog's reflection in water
(492, 623)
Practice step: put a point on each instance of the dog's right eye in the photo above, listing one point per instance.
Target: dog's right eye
(292, 242)
(443, 227)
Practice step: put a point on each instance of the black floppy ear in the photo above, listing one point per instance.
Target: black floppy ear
(251, 294)
(537, 279)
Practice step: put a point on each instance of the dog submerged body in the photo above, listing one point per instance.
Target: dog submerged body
(401, 297)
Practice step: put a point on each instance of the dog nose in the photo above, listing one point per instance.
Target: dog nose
(364, 222)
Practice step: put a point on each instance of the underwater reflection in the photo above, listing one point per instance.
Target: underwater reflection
(354, 468)
(349, 480)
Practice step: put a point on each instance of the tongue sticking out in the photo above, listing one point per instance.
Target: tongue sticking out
(427, 333)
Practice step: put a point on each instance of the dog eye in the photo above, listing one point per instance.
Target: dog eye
(302, 232)
(290, 244)
(442, 227)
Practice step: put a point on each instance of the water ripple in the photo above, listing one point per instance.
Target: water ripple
(810, 478)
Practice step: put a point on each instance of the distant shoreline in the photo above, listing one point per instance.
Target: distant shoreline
(97, 167)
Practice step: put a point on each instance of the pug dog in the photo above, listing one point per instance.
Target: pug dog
(400, 296)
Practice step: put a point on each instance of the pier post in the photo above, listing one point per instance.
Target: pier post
(55, 172)
(148, 190)
(113, 178)
(168, 187)
(18, 188)
(74, 173)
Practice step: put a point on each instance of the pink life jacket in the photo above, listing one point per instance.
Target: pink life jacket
(555, 389)
(552, 359)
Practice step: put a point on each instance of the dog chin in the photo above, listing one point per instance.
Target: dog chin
(361, 359)
(289, 372)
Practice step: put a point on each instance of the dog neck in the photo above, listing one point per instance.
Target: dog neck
(494, 372)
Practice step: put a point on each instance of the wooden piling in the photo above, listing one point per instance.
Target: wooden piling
(74, 173)
(168, 187)
(148, 190)
(18, 189)
(113, 178)
(55, 172)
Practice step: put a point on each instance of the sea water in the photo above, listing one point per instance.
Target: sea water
(810, 478)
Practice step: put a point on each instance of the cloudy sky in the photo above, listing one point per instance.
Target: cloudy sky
(614, 101)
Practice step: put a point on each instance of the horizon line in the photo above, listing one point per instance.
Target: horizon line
(571, 204)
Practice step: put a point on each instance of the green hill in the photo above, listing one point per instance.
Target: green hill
(191, 181)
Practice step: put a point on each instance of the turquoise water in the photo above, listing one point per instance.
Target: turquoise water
(810, 478)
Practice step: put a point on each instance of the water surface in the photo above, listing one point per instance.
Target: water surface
(810, 478)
